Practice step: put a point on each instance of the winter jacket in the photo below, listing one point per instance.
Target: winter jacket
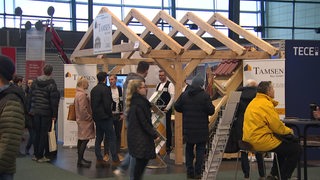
(44, 97)
(141, 133)
(261, 121)
(84, 119)
(195, 105)
(248, 93)
(101, 101)
(11, 127)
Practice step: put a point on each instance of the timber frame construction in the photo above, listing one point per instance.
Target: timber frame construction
(178, 61)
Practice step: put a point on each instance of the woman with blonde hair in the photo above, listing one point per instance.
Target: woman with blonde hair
(141, 134)
(84, 120)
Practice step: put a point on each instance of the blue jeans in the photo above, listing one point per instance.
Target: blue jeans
(6, 176)
(128, 162)
(105, 127)
(200, 151)
(41, 126)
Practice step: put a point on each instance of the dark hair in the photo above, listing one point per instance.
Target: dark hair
(101, 76)
(113, 75)
(263, 87)
(47, 69)
(17, 78)
(142, 67)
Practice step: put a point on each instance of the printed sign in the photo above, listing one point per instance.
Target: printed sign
(268, 70)
(302, 77)
(102, 34)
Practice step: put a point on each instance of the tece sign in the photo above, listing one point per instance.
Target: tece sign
(306, 51)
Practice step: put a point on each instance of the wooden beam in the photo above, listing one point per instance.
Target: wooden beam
(178, 116)
(83, 42)
(143, 46)
(172, 44)
(246, 34)
(113, 61)
(199, 54)
(172, 32)
(200, 32)
(117, 33)
(217, 34)
(116, 69)
(190, 67)
(201, 43)
(166, 66)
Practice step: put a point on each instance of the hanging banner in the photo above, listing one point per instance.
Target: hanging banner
(268, 70)
(72, 72)
(33, 69)
(302, 77)
(35, 53)
(35, 44)
(102, 34)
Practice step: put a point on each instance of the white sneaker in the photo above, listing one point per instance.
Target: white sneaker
(42, 160)
(118, 174)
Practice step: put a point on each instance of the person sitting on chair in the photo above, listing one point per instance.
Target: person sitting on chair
(260, 127)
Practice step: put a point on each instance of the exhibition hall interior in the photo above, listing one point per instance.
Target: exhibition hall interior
(228, 44)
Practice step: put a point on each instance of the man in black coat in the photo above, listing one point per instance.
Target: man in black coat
(101, 101)
(195, 105)
(44, 109)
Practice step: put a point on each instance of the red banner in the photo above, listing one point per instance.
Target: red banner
(34, 69)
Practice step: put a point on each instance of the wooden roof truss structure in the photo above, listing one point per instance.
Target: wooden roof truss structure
(178, 61)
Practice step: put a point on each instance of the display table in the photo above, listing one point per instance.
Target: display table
(302, 127)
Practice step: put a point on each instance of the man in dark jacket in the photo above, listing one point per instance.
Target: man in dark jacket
(101, 101)
(44, 108)
(11, 115)
(195, 105)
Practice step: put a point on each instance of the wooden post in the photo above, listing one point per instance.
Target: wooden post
(178, 116)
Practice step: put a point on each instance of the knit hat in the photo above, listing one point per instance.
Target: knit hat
(6, 67)
(197, 81)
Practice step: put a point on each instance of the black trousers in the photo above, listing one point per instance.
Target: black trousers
(288, 157)
(117, 125)
(246, 166)
(81, 146)
(139, 168)
(168, 129)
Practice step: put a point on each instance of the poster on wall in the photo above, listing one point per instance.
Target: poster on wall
(102, 34)
(73, 72)
(268, 70)
(302, 77)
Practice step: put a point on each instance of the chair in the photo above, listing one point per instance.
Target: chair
(248, 148)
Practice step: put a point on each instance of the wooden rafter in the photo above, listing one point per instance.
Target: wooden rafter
(132, 36)
(171, 43)
(246, 34)
(215, 33)
(201, 43)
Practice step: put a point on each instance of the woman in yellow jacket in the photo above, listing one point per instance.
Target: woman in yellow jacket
(261, 123)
